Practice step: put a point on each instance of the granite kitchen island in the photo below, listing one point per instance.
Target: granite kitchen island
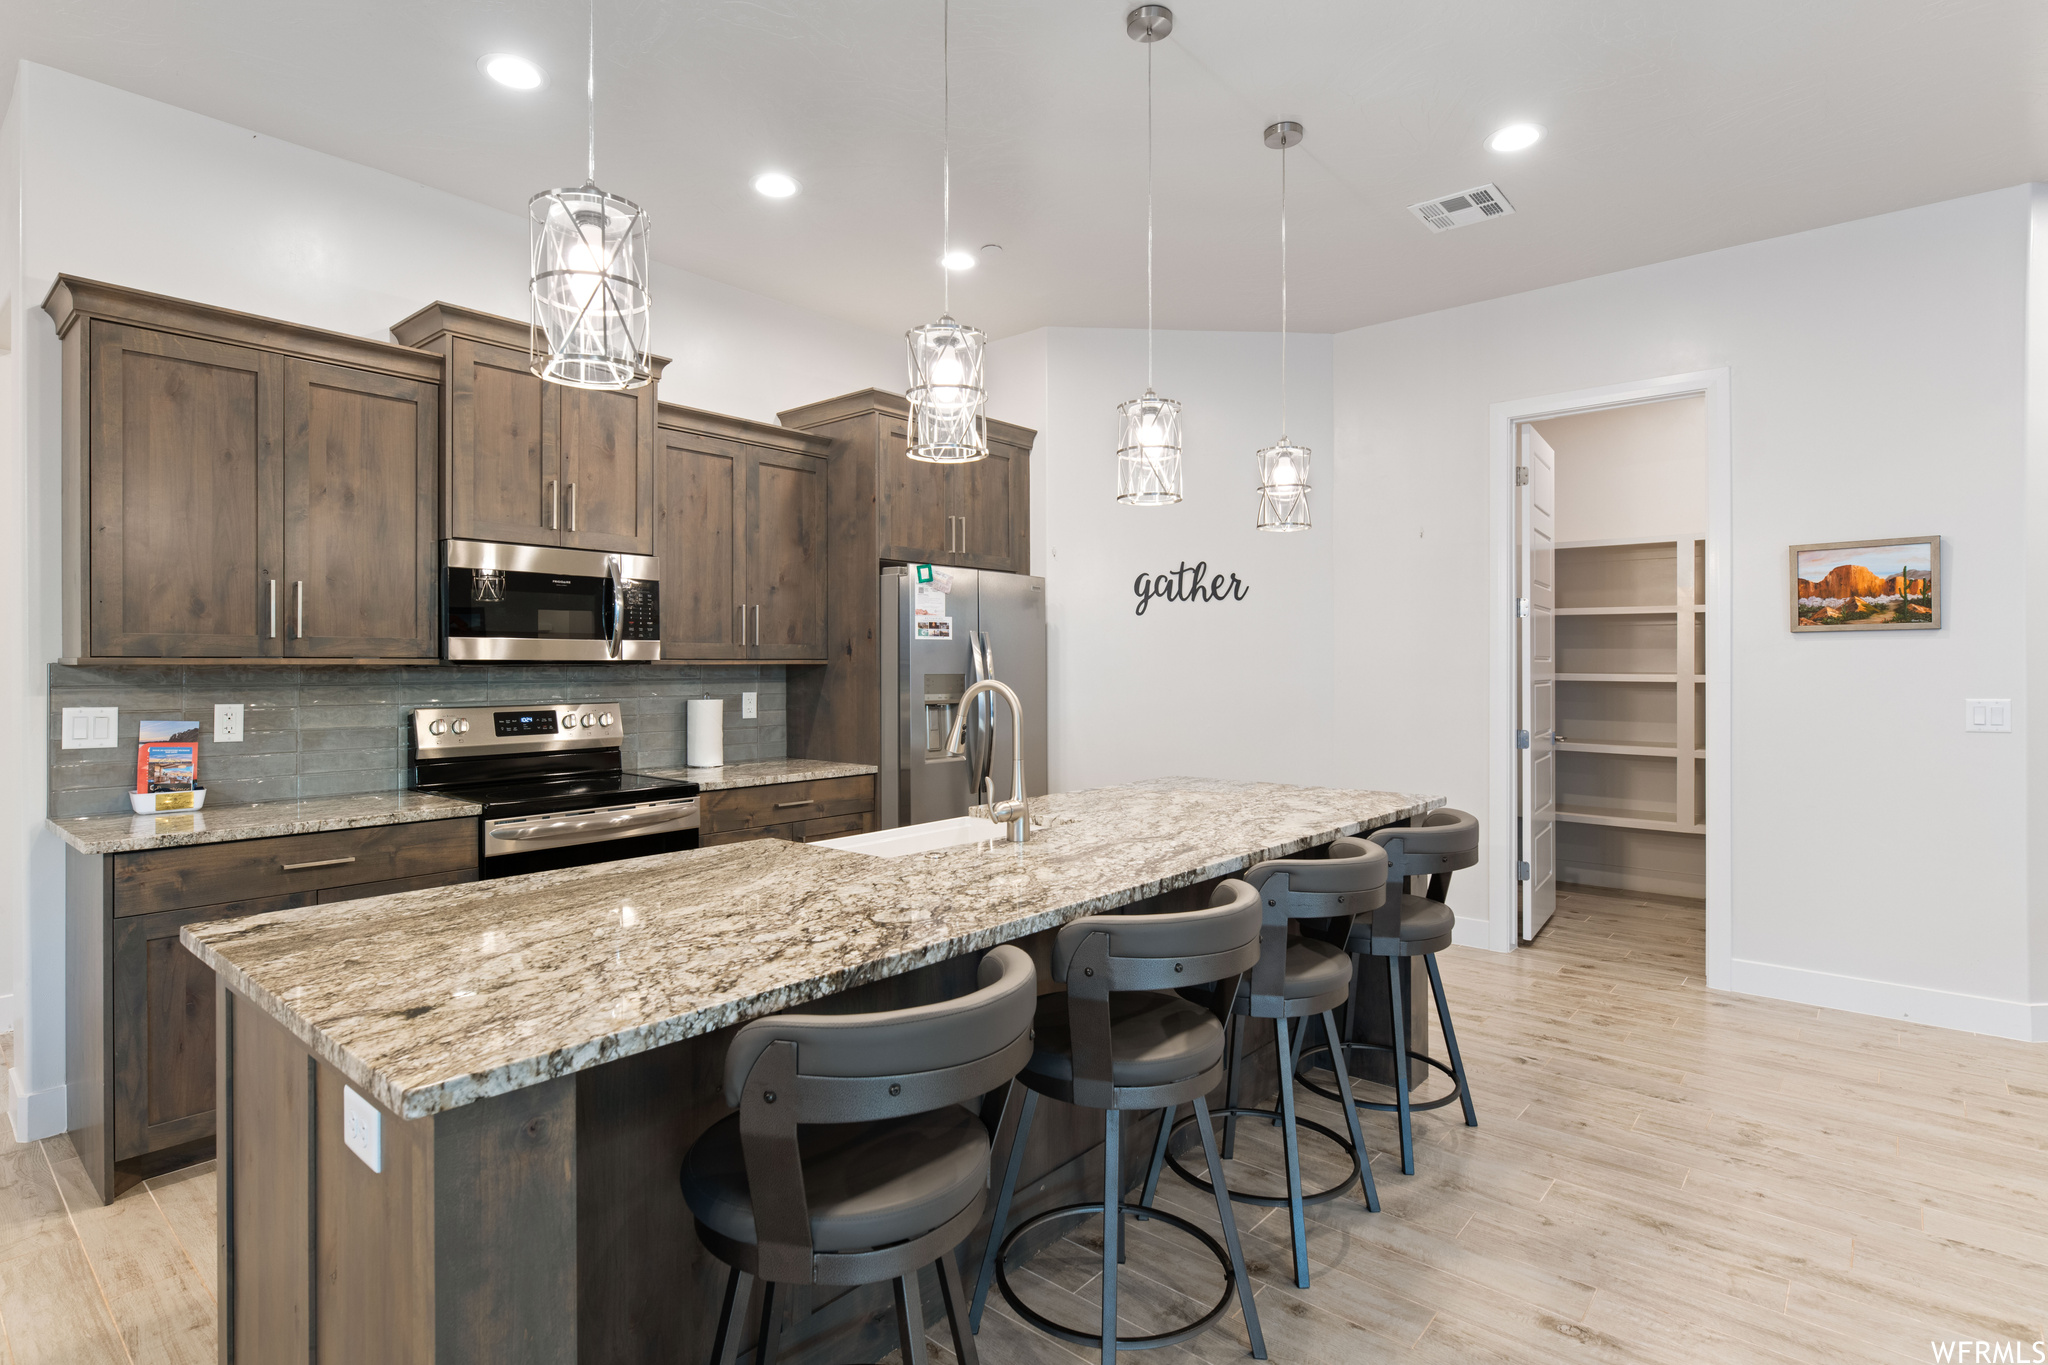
(541, 1050)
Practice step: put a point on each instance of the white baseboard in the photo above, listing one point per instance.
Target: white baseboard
(38, 1114)
(1890, 1000)
(1471, 931)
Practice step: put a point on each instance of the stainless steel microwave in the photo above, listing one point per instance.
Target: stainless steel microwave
(540, 603)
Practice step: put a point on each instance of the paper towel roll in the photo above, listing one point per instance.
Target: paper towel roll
(704, 732)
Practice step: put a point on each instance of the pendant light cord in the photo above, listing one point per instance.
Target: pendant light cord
(590, 91)
(1283, 295)
(1148, 217)
(946, 135)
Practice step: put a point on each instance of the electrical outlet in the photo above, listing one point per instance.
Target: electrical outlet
(1988, 714)
(92, 727)
(750, 706)
(227, 722)
(362, 1128)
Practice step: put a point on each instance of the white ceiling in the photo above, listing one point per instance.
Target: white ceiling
(1673, 129)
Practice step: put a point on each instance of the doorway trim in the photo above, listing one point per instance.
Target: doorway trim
(1502, 928)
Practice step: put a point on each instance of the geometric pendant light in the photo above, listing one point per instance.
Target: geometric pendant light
(1283, 466)
(947, 393)
(1148, 469)
(589, 278)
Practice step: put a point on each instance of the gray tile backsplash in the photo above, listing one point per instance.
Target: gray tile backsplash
(334, 731)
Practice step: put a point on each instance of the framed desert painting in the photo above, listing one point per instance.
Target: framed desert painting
(1867, 585)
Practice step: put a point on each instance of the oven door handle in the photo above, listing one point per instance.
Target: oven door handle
(552, 829)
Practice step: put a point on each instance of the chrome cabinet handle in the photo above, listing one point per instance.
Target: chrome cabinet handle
(550, 829)
(324, 862)
(299, 609)
(790, 805)
(757, 623)
(572, 506)
(554, 504)
(741, 639)
(273, 609)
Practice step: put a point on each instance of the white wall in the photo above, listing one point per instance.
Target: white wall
(1638, 471)
(1878, 373)
(1233, 690)
(119, 188)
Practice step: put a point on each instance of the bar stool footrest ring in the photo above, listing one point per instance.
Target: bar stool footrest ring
(1094, 1339)
(1414, 1106)
(1269, 1201)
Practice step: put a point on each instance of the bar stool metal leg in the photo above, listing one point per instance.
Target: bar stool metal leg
(1158, 1160)
(910, 1319)
(1372, 1193)
(1238, 1024)
(1229, 1221)
(1011, 1170)
(1112, 1213)
(732, 1289)
(1443, 1018)
(954, 1293)
(1401, 1065)
(770, 1335)
(1297, 1218)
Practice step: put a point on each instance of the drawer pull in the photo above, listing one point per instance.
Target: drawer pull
(786, 805)
(324, 862)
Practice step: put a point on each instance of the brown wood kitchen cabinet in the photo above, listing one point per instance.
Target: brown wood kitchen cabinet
(889, 508)
(140, 1060)
(533, 463)
(741, 532)
(241, 489)
(822, 808)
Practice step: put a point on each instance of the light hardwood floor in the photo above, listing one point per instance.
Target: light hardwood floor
(1660, 1174)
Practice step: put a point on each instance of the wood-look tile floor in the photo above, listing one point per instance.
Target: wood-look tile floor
(1660, 1174)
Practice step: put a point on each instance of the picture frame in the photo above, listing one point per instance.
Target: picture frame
(1878, 584)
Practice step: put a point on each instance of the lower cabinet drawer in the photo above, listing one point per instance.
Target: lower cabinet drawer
(784, 803)
(213, 874)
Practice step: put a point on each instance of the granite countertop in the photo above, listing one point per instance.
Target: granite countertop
(434, 999)
(764, 772)
(263, 820)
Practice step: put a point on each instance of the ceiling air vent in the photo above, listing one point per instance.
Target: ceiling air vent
(1463, 208)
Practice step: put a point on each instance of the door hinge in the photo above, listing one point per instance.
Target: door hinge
(1521, 872)
(1521, 739)
(1522, 607)
(1521, 475)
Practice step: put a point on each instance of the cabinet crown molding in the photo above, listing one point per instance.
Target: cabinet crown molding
(442, 319)
(886, 404)
(72, 299)
(676, 417)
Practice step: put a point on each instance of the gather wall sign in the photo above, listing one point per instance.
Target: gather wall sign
(1188, 585)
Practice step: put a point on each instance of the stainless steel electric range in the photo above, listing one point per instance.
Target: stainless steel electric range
(552, 784)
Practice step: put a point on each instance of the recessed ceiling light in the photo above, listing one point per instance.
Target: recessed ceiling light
(775, 185)
(516, 72)
(1516, 137)
(957, 260)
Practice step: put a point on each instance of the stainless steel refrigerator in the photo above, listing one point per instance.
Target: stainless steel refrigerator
(938, 638)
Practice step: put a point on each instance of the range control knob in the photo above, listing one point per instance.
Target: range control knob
(593, 720)
(569, 720)
(460, 727)
(437, 727)
(605, 719)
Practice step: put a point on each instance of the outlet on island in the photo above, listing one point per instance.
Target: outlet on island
(362, 1128)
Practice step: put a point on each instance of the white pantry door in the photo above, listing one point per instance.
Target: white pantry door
(1538, 722)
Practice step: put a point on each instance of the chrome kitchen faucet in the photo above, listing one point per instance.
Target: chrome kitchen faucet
(1015, 812)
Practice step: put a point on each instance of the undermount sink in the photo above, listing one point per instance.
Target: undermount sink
(930, 837)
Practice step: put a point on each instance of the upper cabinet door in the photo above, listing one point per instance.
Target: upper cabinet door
(181, 515)
(359, 543)
(786, 556)
(982, 500)
(912, 502)
(503, 482)
(701, 485)
(607, 444)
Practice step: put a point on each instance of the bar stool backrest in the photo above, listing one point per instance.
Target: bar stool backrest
(1437, 845)
(1104, 954)
(793, 1069)
(1351, 881)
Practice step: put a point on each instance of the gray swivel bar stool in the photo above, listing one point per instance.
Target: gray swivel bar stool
(1435, 846)
(851, 1159)
(1299, 976)
(1121, 1039)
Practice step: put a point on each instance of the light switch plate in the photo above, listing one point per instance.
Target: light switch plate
(92, 727)
(227, 722)
(750, 707)
(1989, 715)
(362, 1128)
